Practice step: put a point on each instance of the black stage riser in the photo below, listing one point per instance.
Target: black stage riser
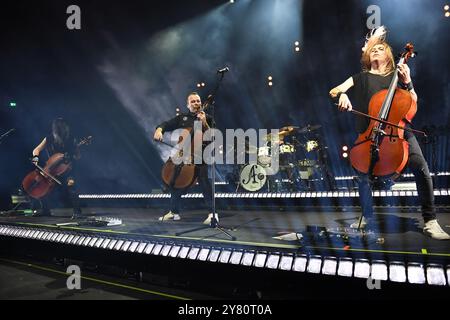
(222, 279)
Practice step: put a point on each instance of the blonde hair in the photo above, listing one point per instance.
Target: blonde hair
(365, 58)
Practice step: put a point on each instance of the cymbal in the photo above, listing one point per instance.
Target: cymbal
(285, 131)
(289, 128)
(309, 128)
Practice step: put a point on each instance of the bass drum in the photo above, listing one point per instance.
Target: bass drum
(253, 177)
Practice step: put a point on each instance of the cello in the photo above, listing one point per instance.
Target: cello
(381, 150)
(41, 181)
(181, 174)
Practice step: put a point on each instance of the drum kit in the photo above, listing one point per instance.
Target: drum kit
(300, 154)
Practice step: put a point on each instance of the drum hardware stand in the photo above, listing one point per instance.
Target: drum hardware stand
(214, 223)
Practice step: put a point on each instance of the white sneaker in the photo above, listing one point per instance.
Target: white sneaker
(208, 220)
(170, 216)
(434, 230)
(357, 224)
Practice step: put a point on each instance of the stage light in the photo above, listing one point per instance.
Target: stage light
(119, 244)
(92, 241)
(86, 241)
(269, 78)
(108, 243)
(99, 243)
(345, 155)
(203, 84)
(126, 245)
(149, 248)
(397, 271)
(198, 85)
(165, 250)
(344, 148)
(203, 254)
(300, 263)
(297, 49)
(174, 251)
(329, 266)
(446, 7)
(236, 257)
(345, 268)
(193, 253)
(296, 43)
(214, 255)
(12, 104)
(272, 261)
(247, 258)
(379, 270)
(447, 14)
(183, 252)
(260, 260)
(224, 256)
(286, 262)
(315, 264)
(362, 268)
(69, 239)
(157, 249)
(436, 275)
(78, 240)
(75, 240)
(231, 1)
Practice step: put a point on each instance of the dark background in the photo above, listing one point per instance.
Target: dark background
(133, 63)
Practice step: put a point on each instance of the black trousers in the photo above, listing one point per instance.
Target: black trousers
(419, 168)
(205, 185)
(68, 195)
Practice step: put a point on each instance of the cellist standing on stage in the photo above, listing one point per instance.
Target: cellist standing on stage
(186, 120)
(378, 68)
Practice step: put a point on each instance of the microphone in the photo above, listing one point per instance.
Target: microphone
(223, 70)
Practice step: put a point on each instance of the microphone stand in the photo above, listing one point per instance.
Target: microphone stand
(214, 223)
(6, 134)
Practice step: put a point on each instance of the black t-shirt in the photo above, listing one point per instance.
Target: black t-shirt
(69, 146)
(365, 85)
(183, 120)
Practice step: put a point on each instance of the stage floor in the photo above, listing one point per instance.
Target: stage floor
(395, 232)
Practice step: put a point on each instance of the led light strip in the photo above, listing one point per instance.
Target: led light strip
(272, 195)
(395, 271)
